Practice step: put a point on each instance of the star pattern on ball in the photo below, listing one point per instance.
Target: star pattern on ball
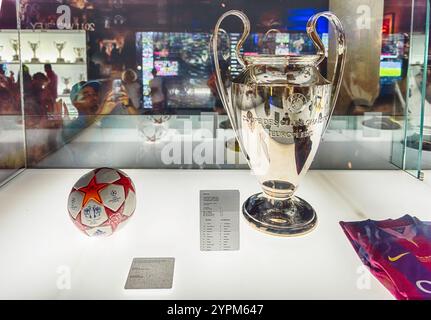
(109, 193)
(91, 191)
(126, 182)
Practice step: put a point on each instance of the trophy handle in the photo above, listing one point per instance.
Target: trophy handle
(340, 52)
(220, 83)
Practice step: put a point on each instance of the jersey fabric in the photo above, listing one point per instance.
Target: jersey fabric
(397, 252)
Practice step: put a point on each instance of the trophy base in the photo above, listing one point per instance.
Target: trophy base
(79, 60)
(280, 217)
(35, 60)
(60, 60)
(15, 58)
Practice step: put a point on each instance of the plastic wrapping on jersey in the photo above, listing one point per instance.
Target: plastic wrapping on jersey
(397, 252)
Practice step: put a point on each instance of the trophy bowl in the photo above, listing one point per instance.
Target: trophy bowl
(280, 107)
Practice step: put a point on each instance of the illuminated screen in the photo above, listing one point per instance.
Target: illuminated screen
(182, 64)
(166, 68)
(391, 69)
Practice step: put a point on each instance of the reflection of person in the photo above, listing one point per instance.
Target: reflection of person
(35, 98)
(8, 105)
(118, 103)
(10, 94)
(37, 102)
(85, 97)
(132, 86)
(5, 82)
(157, 96)
(26, 76)
(53, 81)
(51, 87)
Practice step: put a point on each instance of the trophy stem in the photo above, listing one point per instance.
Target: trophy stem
(35, 59)
(280, 217)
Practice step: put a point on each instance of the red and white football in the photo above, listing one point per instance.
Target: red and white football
(102, 201)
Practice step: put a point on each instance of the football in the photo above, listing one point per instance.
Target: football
(102, 201)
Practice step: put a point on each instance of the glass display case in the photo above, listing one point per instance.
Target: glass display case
(166, 70)
(410, 149)
(132, 84)
(12, 127)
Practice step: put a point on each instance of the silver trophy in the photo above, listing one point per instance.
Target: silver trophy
(60, 46)
(66, 82)
(15, 46)
(34, 46)
(79, 52)
(280, 107)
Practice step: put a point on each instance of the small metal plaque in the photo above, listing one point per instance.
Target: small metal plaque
(151, 273)
(219, 220)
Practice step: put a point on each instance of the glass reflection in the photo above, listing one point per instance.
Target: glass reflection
(12, 143)
(98, 62)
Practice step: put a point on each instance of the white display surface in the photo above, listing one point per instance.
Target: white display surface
(40, 246)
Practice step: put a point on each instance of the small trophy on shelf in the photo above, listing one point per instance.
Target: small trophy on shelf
(79, 53)
(34, 46)
(60, 46)
(15, 46)
(66, 82)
